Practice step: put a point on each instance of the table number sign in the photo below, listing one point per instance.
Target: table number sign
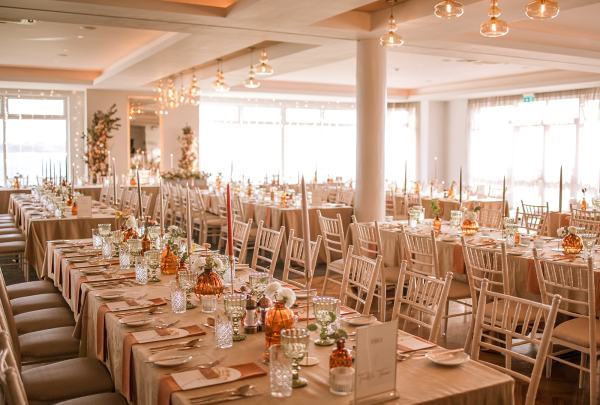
(84, 206)
(375, 365)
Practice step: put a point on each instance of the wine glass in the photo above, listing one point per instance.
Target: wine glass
(104, 230)
(187, 281)
(325, 310)
(235, 308)
(295, 346)
(152, 258)
(258, 281)
(589, 241)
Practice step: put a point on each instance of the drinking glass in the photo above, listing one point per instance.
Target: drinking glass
(152, 258)
(341, 380)
(124, 256)
(187, 281)
(280, 372)
(589, 241)
(326, 310)
(104, 229)
(177, 298)
(135, 247)
(235, 308)
(295, 346)
(456, 217)
(96, 239)
(107, 247)
(413, 217)
(153, 233)
(258, 281)
(510, 232)
(223, 332)
(209, 303)
(141, 271)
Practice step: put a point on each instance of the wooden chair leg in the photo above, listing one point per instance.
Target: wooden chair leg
(549, 361)
(593, 380)
(582, 365)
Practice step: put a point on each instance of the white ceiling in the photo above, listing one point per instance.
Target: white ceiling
(137, 42)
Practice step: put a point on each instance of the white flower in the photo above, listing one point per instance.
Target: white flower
(131, 222)
(272, 289)
(287, 295)
(198, 263)
(572, 230)
(219, 266)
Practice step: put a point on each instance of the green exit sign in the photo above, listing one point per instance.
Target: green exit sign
(528, 98)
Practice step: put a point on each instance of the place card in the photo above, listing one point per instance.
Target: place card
(375, 369)
(84, 206)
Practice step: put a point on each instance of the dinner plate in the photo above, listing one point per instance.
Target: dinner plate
(515, 252)
(137, 320)
(359, 321)
(443, 358)
(170, 358)
(111, 294)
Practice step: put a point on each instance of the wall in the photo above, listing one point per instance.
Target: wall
(431, 141)
(457, 138)
(171, 126)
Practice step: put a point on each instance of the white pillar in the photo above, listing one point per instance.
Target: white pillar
(371, 105)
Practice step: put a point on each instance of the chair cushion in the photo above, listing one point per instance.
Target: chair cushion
(459, 290)
(30, 288)
(65, 380)
(43, 319)
(7, 225)
(3, 216)
(49, 344)
(337, 266)
(576, 331)
(35, 302)
(11, 237)
(15, 247)
(107, 398)
(6, 231)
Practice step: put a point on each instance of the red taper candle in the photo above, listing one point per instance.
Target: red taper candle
(229, 223)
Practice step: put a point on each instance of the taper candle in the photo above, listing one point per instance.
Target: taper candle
(230, 235)
(560, 190)
(503, 196)
(460, 189)
(162, 207)
(139, 190)
(114, 174)
(188, 219)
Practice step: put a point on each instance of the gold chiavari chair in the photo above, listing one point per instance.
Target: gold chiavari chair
(490, 218)
(334, 241)
(360, 277)
(241, 234)
(534, 218)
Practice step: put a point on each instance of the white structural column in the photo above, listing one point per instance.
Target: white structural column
(371, 104)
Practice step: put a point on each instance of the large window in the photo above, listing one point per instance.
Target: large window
(528, 142)
(295, 139)
(34, 132)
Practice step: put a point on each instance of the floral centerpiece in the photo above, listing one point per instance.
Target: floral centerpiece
(96, 137)
(572, 243)
(436, 210)
(279, 316)
(470, 226)
(187, 143)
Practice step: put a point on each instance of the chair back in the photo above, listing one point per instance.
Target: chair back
(534, 217)
(501, 325)
(11, 384)
(7, 319)
(368, 238)
(420, 301)
(486, 263)
(589, 220)
(491, 218)
(360, 278)
(124, 199)
(241, 235)
(266, 248)
(334, 240)
(294, 268)
(422, 252)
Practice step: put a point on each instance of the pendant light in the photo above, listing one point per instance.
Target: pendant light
(391, 39)
(264, 69)
(219, 83)
(251, 82)
(192, 97)
(448, 9)
(494, 27)
(542, 9)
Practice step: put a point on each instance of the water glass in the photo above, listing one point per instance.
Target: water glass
(141, 271)
(295, 346)
(124, 256)
(280, 372)
(209, 303)
(107, 247)
(177, 298)
(456, 217)
(152, 259)
(258, 281)
(135, 247)
(235, 308)
(326, 310)
(413, 217)
(341, 380)
(187, 281)
(223, 332)
(589, 241)
(104, 230)
(96, 239)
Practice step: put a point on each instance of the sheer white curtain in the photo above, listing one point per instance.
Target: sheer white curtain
(401, 142)
(528, 142)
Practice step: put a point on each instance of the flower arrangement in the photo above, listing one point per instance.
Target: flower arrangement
(275, 291)
(172, 235)
(435, 207)
(187, 142)
(180, 175)
(96, 138)
(566, 230)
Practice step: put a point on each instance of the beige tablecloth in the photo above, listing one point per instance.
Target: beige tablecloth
(5, 194)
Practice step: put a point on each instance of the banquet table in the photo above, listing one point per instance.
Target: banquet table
(447, 205)
(144, 383)
(92, 190)
(5, 194)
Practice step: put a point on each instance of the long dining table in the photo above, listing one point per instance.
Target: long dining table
(126, 350)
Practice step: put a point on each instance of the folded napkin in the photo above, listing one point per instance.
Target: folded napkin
(410, 343)
(117, 306)
(198, 378)
(97, 278)
(153, 335)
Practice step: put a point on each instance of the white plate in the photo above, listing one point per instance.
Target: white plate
(111, 294)
(170, 358)
(515, 252)
(360, 321)
(136, 320)
(445, 359)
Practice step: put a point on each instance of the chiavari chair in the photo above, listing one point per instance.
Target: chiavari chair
(207, 225)
(420, 301)
(241, 234)
(491, 332)
(534, 217)
(390, 204)
(104, 194)
(422, 255)
(123, 200)
(334, 241)
(294, 265)
(358, 285)
(576, 284)
(490, 218)
(223, 231)
(266, 248)
(589, 220)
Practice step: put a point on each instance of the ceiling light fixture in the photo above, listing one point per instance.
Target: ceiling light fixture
(192, 97)
(542, 9)
(494, 27)
(448, 9)
(391, 39)
(251, 82)
(219, 82)
(264, 69)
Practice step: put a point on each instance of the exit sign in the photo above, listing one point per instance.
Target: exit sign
(528, 98)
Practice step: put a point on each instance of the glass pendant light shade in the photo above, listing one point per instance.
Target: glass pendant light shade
(391, 39)
(264, 69)
(251, 82)
(448, 9)
(542, 9)
(494, 27)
